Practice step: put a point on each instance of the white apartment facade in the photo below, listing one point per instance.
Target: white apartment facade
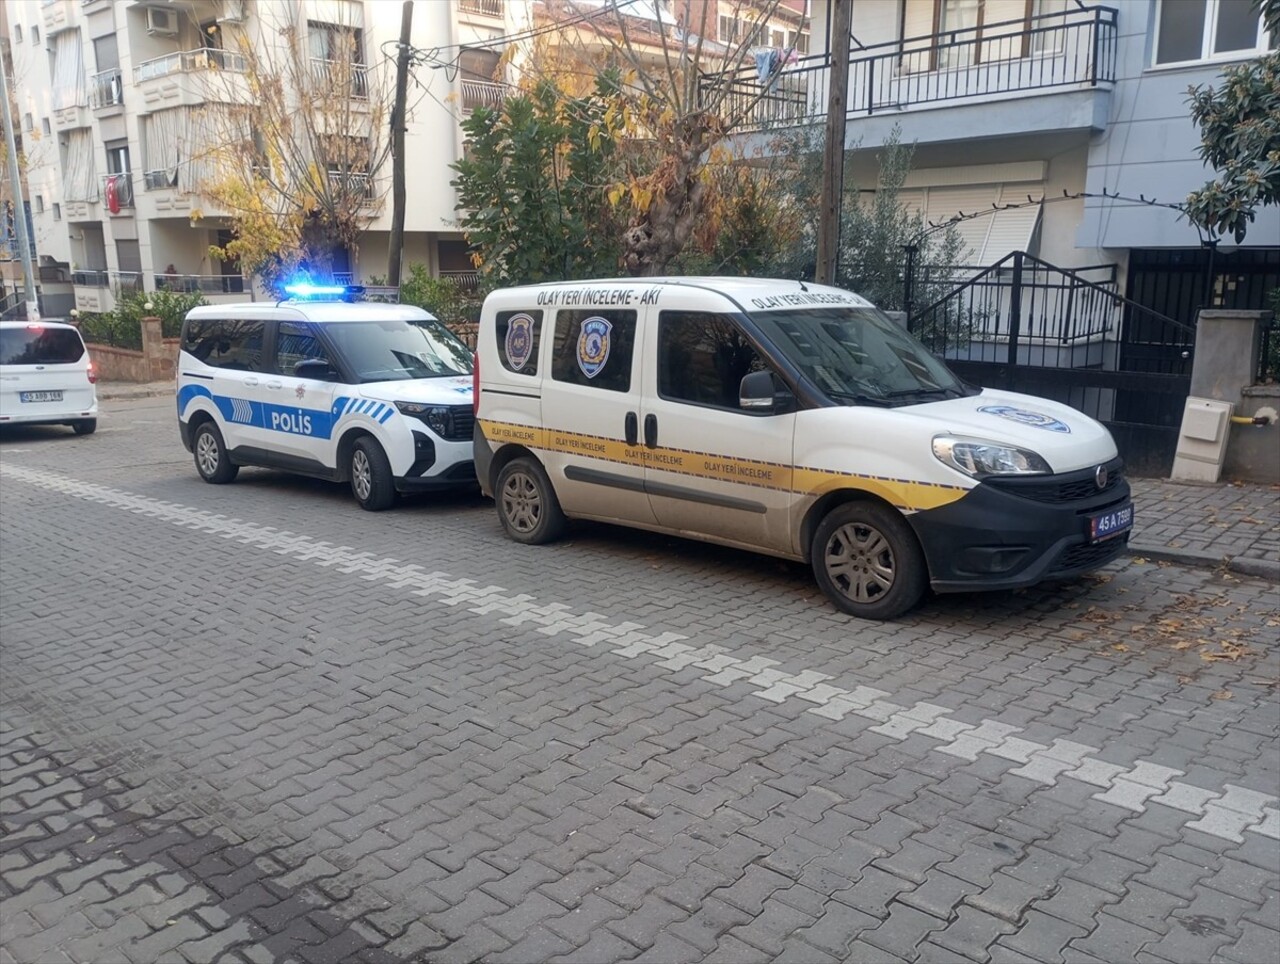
(113, 91)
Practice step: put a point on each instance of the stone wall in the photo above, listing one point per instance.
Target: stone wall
(157, 362)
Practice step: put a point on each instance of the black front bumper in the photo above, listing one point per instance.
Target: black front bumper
(1012, 532)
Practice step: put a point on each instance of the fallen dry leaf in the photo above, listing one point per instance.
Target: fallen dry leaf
(1120, 647)
(1221, 695)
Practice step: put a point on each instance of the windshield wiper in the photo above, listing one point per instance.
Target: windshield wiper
(862, 399)
(923, 392)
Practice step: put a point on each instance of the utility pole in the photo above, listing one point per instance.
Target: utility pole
(833, 153)
(395, 247)
(19, 208)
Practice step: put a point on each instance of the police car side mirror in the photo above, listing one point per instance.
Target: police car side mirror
(315, 368)
(759, 393)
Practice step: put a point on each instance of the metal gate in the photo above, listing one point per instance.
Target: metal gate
(1029, 326)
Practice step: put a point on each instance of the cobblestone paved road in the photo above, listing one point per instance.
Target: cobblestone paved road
(254, 723)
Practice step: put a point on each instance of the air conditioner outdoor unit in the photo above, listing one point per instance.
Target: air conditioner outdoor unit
(162, 22)
(232, 11)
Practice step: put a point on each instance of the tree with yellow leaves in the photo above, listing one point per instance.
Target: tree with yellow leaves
(294, 176)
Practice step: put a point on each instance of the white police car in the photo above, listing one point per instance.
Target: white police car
(375, 394)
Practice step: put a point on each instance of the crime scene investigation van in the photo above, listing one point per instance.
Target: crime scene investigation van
(789, 418)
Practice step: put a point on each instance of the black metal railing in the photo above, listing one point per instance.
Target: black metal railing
(1072, 48)
(1024, 311)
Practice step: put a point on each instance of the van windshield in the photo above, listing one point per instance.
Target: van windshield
(396, 350)
(37, 345)
(859, 356)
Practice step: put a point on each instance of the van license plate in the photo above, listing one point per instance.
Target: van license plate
(40, 396)
(1111, 524)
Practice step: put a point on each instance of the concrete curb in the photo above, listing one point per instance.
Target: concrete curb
(137, 391)
(1259, 568)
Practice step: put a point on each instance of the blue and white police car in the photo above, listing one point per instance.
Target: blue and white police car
(375, 394)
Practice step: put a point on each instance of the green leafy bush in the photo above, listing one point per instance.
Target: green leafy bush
(122, 326)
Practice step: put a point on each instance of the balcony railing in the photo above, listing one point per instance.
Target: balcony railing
(336, 76)
(488, 8)
(482, 93)
(354, 184)
(122, 184)
(218, 284)
(106, 88)
(464, 280)
(1075, 48)
(122, 281)
(188, 61)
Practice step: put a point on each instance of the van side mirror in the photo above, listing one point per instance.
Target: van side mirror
(759, 393)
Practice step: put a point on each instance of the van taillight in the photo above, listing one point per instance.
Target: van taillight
(475, 384)
(93, 373)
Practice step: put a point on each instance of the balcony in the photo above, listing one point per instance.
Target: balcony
(484, 8)
(354, 184)
(219, 284)
(192, 78)
(59, 15)
(97, 289)
(1071, 52)
(482, 93)
(467, 281)
(106, 89)
(121, 184)
(335, 77)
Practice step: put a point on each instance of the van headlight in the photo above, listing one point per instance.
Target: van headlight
(438, 418)
(979, 459)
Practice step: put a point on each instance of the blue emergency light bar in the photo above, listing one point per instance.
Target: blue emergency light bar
(306, 290)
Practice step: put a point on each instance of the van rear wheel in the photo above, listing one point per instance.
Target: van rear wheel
(867, 560)
(527, 504)
(85, 426)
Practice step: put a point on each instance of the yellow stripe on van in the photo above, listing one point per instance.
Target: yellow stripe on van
(904, 493)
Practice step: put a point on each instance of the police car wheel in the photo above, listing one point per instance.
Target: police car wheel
(867, 560)
(371, 481)
(212, 461)
(527, 504)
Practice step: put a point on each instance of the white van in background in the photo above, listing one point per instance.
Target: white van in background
(46, 376)
(792, 419)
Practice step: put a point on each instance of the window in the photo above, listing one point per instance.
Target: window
(35, 34)
(118, 157)
(40, 346)
(800, 41)
(337, 59)
(296, 342)
(594, 348)
(28, 123)
(17, 32)
(221, 343)
(44, 126)
(517, 333)
(57, 211)
(1192, 30)
(702, 358)
(39, 204)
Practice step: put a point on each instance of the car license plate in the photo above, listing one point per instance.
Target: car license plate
(1111, 524)
(40, 396)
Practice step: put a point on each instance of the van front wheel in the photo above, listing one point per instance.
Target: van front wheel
(866, 559)
(527, 504)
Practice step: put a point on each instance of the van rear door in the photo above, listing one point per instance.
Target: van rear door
(43, 371)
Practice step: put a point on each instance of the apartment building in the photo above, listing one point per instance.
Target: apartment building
(1014, 102)
(120, 100)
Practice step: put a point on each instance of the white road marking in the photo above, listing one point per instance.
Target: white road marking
(1225, 813)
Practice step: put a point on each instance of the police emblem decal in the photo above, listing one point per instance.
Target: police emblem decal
(519, 342)
(1034, 419)
(593, 345)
